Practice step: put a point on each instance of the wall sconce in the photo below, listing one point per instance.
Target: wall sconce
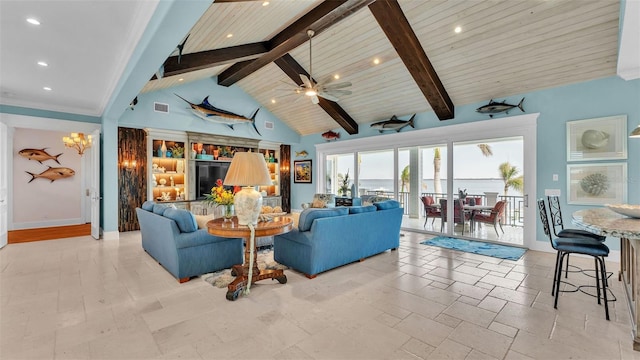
(78, 141)
(129, 164)
(635, 134)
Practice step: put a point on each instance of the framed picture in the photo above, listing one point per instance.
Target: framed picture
(302, 171)
(597, 139)
(597, 184)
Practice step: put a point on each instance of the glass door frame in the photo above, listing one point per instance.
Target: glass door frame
(520, 125)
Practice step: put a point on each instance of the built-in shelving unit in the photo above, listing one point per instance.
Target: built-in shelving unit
(168, 168)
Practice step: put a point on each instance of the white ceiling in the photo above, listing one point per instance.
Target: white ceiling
(87, 45)
(506, 48)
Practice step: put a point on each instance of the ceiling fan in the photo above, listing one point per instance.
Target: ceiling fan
(324, 89)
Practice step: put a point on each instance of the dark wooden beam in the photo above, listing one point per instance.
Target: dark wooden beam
(292, 68)
(319, 19)
(399, 32)
(210, 58)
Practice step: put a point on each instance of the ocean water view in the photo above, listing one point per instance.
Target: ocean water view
(473, 186)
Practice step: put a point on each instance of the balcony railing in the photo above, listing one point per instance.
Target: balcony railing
(514, 211)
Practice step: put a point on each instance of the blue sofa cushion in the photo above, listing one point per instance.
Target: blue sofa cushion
(148, 205)
(185, 220)
(362, 209)
(388, 204)
(159, 208)
(308, 215)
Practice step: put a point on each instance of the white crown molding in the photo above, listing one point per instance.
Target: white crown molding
(629, 52)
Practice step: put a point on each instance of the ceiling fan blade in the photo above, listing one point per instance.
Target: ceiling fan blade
(337, 85)
(328, 96)
(305, 80)
(314, 99)
(338, 92)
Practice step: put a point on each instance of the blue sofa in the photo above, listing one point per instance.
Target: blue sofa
(171, 236)
(331, 237)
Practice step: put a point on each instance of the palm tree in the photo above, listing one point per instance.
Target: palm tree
(509, 175)
(404, 178)
(437, 188)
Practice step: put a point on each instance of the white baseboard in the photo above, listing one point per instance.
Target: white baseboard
(110, 235)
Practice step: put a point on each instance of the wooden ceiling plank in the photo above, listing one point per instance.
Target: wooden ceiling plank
(395, 25)
(293, 69)
(319, 19)
(210, 58)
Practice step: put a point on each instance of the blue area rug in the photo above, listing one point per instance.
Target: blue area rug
(477, 247)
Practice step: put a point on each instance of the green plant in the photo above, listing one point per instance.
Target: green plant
(177, 151)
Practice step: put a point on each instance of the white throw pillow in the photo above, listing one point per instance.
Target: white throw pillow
(202, 220)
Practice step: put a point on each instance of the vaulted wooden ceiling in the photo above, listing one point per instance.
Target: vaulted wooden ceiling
(505, 48)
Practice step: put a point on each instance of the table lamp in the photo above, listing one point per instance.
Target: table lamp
(248, 169)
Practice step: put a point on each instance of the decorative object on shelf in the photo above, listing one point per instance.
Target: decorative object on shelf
(53, 174)
(171, 180)
(163, 182)
(208, 112)
(302, 153)
(78, 141)
(597, 184)
(179, 167)
(302, 171)
(331, 135)
(155, 181)
(393, 124)
(168, 154)
(248, 169)
(597, 139)
(177, 151)
(162, 151)
(494, 107)
(220, 196)
(38, 155)
(166, 196)
(193, 151)
(344, 186)
(635, 134)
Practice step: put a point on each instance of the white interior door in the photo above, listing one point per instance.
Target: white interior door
(4, 201)
(94, 187)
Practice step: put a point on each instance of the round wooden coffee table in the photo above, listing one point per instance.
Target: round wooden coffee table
(231, 229)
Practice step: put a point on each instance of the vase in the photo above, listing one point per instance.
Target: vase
(163, 149)
(227, 212)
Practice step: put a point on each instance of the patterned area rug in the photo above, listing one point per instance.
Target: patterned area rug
(223, 278)
(477, 247)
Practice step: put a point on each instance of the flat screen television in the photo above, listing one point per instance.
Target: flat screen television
(207, 173)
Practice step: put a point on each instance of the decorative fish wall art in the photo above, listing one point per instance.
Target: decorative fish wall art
(302, 153)
(53, 174)
(494, 107)
(38, 155)
(331, 135)
(208, 112)
(393, 124)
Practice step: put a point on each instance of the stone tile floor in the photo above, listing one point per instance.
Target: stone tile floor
(79, 298)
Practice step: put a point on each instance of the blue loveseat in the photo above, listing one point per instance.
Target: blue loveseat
(331, 237)
(171, 236)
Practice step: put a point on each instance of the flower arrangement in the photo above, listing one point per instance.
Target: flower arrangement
(221, 196)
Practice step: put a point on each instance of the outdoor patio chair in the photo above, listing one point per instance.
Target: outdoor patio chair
(431, 209)
(460, 216)
(493, 217)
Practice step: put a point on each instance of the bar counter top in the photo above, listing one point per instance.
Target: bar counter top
(603, 221)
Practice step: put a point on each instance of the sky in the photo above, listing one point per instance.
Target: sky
(469, 161)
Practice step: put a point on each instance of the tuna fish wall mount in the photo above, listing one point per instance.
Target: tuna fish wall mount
(52, 173)
(208, 112)
(494, 107)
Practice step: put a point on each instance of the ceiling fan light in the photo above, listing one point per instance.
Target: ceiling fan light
(311, 92)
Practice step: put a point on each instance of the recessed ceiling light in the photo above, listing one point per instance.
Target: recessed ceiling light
(336, 76)
(273, 101)
(47, 88)
(265, 3)
(229, 36)
(42, 63)
(181, 79)
(376, 61)
(458, 29)
(33, 21)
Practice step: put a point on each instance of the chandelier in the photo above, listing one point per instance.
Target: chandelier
(78, 141)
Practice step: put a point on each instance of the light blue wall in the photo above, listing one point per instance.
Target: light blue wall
(592, 99)
(180, 116)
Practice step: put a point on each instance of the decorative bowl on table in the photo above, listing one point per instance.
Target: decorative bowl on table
(625, 209)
